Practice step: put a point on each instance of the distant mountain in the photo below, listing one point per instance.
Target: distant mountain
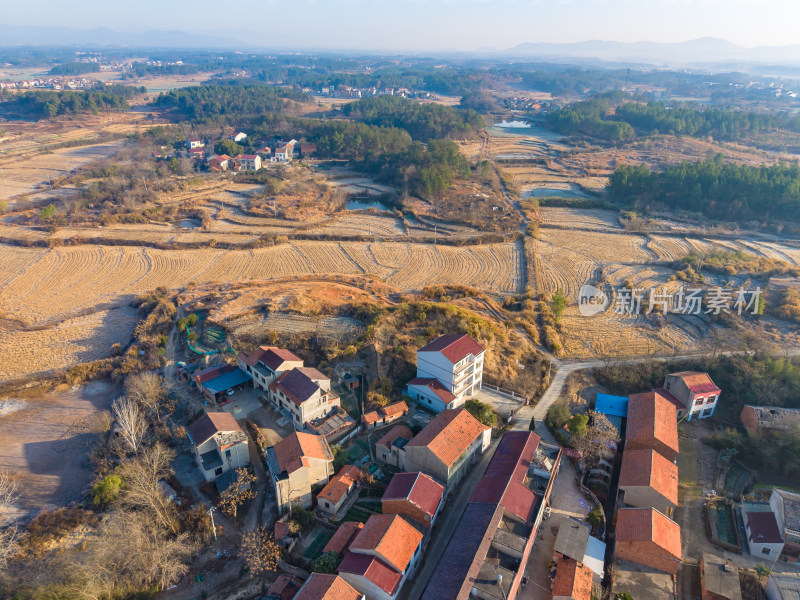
(699, 51)
(17, 35)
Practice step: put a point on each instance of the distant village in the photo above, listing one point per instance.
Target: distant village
(274, 150)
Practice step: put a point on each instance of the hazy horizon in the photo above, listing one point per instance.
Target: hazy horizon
(430, 25)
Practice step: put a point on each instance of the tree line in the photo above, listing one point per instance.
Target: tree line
(75, 68)
(48, 104)
(588, 117)
(718, 190)
(423, 121)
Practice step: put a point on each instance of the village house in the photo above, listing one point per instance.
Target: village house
(284, 588)
(248, 162)
(305, 393)
(192, 143)
(719, 578)
(390, 448)
(692, 393)
(574, 541)
(298, 464)
(343, 536)
(238, 136)
(218, 162)
(327, 587)
(758, 419)
(266, 363)
(647, 537)
(764, 538)
(382, 556)
(785, 586)
(449, 370)
(786, 508)
(334, 496)
(447, 446)
(306, 150)
(214, 382)
(385, 415)
(573, 581)
(415, 496)
(648, 479)
(498, 527)
(652, 425)
(218, 443)
(196, 153)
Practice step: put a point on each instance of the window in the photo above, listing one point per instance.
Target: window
(218, 471)
(766, 551)
(228, 453)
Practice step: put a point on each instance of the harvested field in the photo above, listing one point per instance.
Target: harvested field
(46, 441)
(586, 218)
(29, 352)
(50, 285)
(342, 328)
(362, 224)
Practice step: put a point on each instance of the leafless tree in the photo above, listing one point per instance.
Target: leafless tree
(238, 492)
(259, 551)
(131, 422)
(141, 477)
(594, 443)
(147, 389)
(8, 533)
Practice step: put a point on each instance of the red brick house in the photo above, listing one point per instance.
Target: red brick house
(652, 425)
(647, 537)
(648, 479)
(573, 581)
(413, 495)
(327, 587)
(385, 415)
(340, 541)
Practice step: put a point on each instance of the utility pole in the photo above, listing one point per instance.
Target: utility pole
(213, 527)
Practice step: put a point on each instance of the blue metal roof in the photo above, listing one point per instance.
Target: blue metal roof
(616, 406)
(226, 381)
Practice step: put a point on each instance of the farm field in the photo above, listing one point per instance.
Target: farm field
(82, 277)
(45, 441)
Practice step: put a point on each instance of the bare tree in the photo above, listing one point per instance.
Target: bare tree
(595, 442)
(131, 422)
(141, 477)
(259, 551)
(8, 533)
(147, 389)
(238, 492)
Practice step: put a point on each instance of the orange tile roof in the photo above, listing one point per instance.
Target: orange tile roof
(449, 434)
(371, 417)
(340, 484)
(397, 408)
(649, 525)
(294, 451)
(394, 538)
(573, 579)
(327, 587)
(649, 468)
(343, 536)
(650, 415)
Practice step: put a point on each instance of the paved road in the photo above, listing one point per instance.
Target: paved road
(446, 524)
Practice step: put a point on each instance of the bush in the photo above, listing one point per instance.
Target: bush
(107, 489)
(481, 411)
(577, 425)
(558, 415)
(532, 426)
(327, 563)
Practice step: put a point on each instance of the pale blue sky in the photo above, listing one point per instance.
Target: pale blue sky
(430, 24)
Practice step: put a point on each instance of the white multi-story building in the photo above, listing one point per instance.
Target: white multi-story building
(449, 370)
(305, 393)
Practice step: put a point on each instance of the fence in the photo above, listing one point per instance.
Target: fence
(511, 394)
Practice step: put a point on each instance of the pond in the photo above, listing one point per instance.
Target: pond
(366, 204)
(188, 223)
(546, 192)
(513, 124)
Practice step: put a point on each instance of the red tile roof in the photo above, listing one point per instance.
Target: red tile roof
(573, 579)
(210, 424)
(271, 356)
(651, 416)
(343, 536)
(373, 569)
(340, 484)
(397, 408)
(649, 525)
(449, 434)
(697, 382)
(674, 400)
(294, 451)
(281, 530)
(436, 387)
(763, 528)
(285, 587)
(398, 431)
(649, 468)
(454, 347)
(327, 587)
(417, 488)
(394, 538)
